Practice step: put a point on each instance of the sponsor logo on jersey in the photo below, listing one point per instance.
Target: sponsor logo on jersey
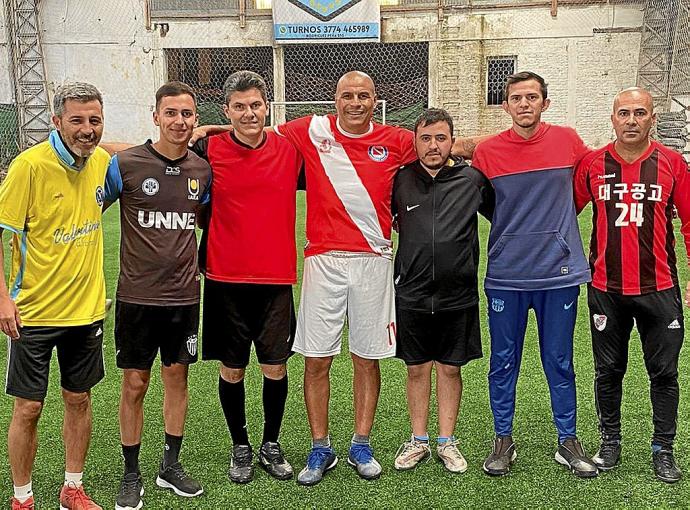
(150, 186)
(599, 321)
(191, 344)
(172, 170)
(193, 188)
(674, 325)
(564, 270)
(58, 195)
(606, 176)
(378, 153)
(100, 195)
(568, 305)
(325, 146)
(497, 305)
(166, 220)
(411, 207)
(76, 234)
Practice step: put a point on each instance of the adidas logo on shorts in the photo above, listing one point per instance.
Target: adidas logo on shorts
(674, 325)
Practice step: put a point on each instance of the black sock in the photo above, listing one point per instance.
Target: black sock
(274, 397)
(171, 452)
(131, 455)
(232, 401)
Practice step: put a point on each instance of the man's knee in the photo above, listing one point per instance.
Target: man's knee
(274, 372)
(448, 371)
(317, 367)
(175, 375)
(27, 411)
(420, 372)
(135, 383)
(76, 402)
(364, 364)
(231, 375)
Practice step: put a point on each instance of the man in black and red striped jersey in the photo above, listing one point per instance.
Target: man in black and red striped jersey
(634, 183)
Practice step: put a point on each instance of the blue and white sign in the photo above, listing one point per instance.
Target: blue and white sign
(313, 21)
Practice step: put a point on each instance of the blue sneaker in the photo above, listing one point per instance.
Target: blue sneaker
(362, 459)
(320, 460)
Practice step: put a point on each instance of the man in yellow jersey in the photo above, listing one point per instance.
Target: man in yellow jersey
(51, 203)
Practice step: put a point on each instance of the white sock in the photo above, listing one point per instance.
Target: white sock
(73, 478)
(24, 492)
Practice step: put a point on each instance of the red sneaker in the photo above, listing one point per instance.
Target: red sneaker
(74, 498)
(27, 505)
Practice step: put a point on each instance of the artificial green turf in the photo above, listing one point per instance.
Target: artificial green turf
(535, 481)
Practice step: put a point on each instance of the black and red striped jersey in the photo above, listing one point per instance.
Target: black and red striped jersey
(632, 250)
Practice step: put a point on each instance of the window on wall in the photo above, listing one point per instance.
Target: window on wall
(497, 71)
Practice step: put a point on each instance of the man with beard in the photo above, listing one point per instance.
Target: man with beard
(435, 202)
(51, 201)
(634, 183)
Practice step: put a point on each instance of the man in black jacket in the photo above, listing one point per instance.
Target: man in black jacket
(436, 200)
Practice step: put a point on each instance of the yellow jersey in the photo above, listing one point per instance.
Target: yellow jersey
(54, 212)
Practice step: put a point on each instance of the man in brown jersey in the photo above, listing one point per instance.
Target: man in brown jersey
(162, 188)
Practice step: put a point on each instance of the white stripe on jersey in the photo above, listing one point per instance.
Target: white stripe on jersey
(348, 186)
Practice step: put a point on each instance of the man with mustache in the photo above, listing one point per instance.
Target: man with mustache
(634, 183)
(535, 260)
(162, 188)
(51, 201)
(435, 202)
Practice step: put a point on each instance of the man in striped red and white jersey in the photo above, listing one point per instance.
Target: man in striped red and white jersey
(634, 183)
(350, 163)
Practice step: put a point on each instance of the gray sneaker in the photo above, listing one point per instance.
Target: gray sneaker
(241, 465)
(272, 460)
(362, 459)
(411, 453)
(502, 456)
(571, 454)
(450, 455)
(321, 459)
(130, 493)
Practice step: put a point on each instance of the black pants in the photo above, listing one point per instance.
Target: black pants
(659, 319)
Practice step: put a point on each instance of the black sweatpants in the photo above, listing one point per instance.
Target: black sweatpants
(659, 319)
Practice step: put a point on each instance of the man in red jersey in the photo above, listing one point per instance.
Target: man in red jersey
(634, 183)
(250, 268)
(350, 163)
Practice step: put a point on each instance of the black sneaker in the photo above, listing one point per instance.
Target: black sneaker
(609, 454)
(665, 467)
(130, 493)
(174, 477)
(502, 456)
(241, 467)
(571, 454)
(272, 460)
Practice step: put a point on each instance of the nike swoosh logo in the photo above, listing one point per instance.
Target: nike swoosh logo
(567, 307)
(410, 207)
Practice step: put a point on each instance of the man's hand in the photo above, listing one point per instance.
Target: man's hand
(10, 322)
(464, 147)
(687, 294)
(205, 131)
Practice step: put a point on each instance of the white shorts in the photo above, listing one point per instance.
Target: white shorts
(359, 285)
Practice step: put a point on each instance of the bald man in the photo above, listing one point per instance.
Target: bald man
(634, 183)
(350, 163)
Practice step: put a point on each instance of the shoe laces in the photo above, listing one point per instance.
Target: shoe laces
(665, 458)
(26, 505)
(76, 496)
(130, 482)
(272, 451)
(452, 445)
(608, 448)
(318, 456)
(411, 445)
(177, 470)
(362, 453)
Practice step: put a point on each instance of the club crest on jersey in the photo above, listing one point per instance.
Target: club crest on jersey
(150, 186)
(325, 146)
(100, 195)
(599, 321)
(193, 188)
(378, 153)
(172, 170)
(191, 344)
(497, 305)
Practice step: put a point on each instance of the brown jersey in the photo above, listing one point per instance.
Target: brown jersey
(159, 202)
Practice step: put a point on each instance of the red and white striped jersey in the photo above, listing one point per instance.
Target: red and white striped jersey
(349, 182)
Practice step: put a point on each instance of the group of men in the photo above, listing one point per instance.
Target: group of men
(362, 179)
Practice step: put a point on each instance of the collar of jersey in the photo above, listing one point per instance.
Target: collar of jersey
(353, 135)
(59, 147)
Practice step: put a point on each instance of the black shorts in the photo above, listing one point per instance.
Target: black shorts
(141, 330)
(449, 337)
(79, 352)
(237, 314)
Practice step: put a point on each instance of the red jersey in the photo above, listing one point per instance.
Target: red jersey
(251, 235)
(349, 182)
(632, 250)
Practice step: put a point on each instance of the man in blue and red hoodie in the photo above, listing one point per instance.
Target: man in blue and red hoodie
(535, 260)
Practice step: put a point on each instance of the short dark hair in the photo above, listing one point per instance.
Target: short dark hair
(173, 89)
(242, 81)
(432, 116)
(525, 76)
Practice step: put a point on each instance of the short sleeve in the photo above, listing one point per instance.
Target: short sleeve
(297, 131)
(113, 180)
(15, 194)
(580, 188)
